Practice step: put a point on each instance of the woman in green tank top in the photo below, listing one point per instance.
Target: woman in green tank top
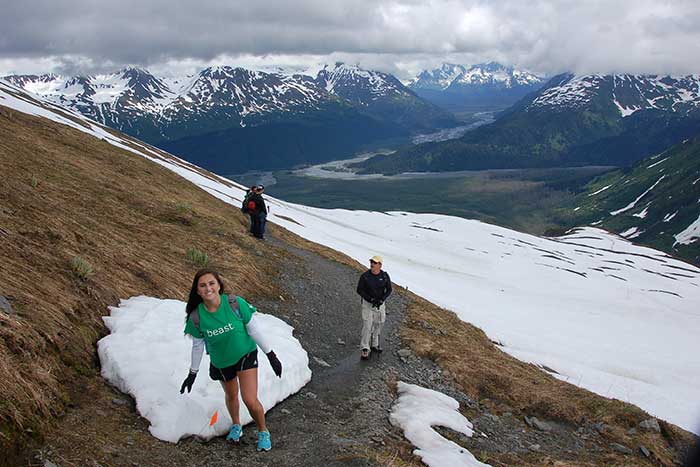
(226, 326)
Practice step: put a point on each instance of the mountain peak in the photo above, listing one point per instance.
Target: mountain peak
(452, 76)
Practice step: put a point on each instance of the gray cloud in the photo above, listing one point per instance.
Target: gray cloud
(400, 36)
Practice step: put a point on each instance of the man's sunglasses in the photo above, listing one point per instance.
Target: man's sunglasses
(372, 262)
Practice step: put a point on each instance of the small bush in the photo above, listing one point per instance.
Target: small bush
(81, 268)
(198, 257)
(35, 181)
(183, 208)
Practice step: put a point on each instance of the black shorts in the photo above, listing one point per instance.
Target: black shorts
(249, 360)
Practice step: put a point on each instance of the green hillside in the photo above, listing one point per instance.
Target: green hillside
(666, 188)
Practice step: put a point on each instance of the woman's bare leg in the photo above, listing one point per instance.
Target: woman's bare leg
(248, 380)
(232, 404)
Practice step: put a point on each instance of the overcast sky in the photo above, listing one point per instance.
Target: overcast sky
(400, 37)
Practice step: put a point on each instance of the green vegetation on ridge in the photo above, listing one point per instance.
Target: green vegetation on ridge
(661, 213)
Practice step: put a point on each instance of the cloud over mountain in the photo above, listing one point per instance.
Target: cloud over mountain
(641, 36)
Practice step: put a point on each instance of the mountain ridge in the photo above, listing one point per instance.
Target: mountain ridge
(221, 115)
(571, 121)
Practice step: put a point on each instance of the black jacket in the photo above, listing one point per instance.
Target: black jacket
(374, 287)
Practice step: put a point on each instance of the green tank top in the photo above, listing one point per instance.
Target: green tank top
(224, 331)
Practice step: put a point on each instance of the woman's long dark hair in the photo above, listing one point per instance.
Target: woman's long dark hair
(194, 299)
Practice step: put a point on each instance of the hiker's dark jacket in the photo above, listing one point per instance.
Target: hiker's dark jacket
(260, 207)
(374, 287)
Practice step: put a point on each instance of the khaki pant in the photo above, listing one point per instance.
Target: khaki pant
(372, 323)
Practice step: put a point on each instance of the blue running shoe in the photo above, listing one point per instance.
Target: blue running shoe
(264, 441)
(235, 433)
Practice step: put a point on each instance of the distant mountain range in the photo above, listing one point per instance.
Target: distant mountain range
(572, 121)
(655, 202)
(233, 119)
(486, 86)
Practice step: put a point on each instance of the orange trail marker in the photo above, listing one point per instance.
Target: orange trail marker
(214, 418)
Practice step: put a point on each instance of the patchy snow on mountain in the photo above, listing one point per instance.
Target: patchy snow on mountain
(358, 85)
(690, 235)
(616, 318)
(629, 93)
(634, 203)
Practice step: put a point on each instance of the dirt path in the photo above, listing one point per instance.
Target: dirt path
(339, 418)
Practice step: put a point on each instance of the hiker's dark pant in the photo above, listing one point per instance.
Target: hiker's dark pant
(263, 221)
(258, 226)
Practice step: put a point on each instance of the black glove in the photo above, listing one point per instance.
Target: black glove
(275, 363)
(189, 381)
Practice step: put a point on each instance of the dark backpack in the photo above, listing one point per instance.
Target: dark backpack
(244, 204)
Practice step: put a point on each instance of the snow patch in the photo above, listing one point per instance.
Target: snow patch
(417, 410)
(633, 203)
(145, 326)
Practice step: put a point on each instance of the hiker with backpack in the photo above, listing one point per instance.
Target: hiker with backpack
(245, 205)
(374, 287)
(226, 326)
(259, 212)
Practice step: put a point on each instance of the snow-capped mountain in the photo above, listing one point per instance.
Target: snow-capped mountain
(612, 120)
(210, 116)
(437, 79)
(628, 93)
(117, 99)
(360, 86)
(482, 86)
(382, 95)
(451, 76)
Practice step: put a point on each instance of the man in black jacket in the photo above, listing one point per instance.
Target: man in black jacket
(374, 287)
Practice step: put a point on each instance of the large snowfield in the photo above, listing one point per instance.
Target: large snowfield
(607, 315)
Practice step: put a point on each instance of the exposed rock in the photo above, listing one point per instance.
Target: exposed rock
(322, 362)
(535, 447)
(341, 341)
(48, 463)
(534, 422)
(118, 401)
(405, 353)
(651, 425)
(5, 306)
(621, 448)
(601, 427)
(310, 395)
(645, 451)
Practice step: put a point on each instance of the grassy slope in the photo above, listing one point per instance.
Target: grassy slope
(117, 210)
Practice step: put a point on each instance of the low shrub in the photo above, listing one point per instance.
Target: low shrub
(81, 268)
(198, 257)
